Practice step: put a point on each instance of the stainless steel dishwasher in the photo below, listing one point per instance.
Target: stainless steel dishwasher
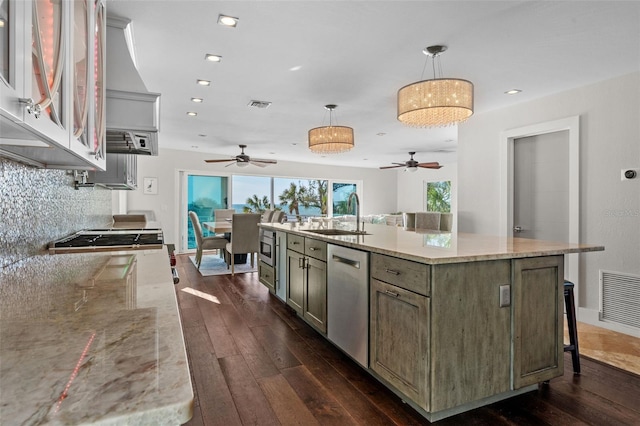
(348, 301)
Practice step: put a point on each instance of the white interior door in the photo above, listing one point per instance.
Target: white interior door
(541, 187)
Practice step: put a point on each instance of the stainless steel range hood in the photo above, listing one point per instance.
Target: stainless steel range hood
(132, 112)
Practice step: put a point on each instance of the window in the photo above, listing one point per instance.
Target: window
(204, 194)
(251, 193)
(340, 196)
(438, 196)
(301, 198)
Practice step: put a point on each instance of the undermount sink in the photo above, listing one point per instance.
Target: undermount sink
(336, 232)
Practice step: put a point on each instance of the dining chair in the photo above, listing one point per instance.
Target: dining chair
(267, 215)
(428, 220)
(244, 237)
(204, 243)
(278, 217)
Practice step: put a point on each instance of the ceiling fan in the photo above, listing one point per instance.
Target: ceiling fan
(243, 160)
(412, 165)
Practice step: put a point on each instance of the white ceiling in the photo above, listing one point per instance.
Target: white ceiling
(357, 54)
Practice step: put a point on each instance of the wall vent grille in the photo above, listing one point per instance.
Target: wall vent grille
(620, 298)
(259, 104)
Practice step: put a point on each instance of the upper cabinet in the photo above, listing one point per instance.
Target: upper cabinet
(53, 83)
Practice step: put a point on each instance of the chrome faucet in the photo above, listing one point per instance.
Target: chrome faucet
(353, 194)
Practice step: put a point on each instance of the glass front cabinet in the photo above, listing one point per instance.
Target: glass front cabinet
(52, 75)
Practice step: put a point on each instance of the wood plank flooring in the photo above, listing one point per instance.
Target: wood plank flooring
(254, 362)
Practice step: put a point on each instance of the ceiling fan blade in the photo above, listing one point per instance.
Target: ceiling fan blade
(432, 165)
(219, 161)
(262, 160)
(231, 164)
(257, 163)
(392, 167)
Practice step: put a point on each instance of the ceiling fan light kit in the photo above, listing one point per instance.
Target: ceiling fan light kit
(243, 160)
(437, 102)
(331, 139)
(412, 165)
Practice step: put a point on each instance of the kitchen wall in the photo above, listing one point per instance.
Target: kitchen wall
(38, 206)
(609, 141)
(379, 188)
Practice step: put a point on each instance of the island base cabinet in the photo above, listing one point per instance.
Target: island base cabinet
(470, 333)
(295, 280)
(315, 294)
(399, 336)
(538, 347)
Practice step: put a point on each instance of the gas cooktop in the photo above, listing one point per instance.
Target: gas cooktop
(108, 240)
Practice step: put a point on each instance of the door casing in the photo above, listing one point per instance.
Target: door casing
(507, 138)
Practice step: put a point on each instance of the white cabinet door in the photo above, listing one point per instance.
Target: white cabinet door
(12, 61)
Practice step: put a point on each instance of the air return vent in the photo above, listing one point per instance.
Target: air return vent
(620, 298)
(259, 104)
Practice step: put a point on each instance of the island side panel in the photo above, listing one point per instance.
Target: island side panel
(538, 294)
(470, 333)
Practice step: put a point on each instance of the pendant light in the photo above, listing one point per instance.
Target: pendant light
(331, 139)
(437, 102)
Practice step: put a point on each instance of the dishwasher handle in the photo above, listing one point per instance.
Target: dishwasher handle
(340, 259)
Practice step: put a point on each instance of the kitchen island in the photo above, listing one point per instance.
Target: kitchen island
(92, 339)
(456, 321)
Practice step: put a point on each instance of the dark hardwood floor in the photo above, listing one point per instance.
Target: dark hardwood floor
(253, 361)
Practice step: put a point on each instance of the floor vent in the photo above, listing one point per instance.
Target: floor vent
(620, 298)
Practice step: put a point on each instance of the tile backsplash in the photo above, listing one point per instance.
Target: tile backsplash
(38, 206)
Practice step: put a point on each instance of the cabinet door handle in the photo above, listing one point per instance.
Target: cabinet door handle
(301, 262)
(391, 271)
(392, 293)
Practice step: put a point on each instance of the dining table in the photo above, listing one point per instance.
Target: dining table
(220, 227)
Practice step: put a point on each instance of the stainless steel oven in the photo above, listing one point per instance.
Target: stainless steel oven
(268, 247)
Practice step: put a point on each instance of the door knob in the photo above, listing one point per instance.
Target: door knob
(517, 229)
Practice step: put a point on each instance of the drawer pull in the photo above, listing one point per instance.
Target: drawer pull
(391, 271)
(312, 249)
(295, 243)
(392, 293)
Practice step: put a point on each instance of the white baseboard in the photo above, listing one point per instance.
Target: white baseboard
(591, 317)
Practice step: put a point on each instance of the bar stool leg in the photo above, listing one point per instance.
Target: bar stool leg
(572, 326)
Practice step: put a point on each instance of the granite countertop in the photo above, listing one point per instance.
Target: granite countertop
(92, 339)
(434, 247)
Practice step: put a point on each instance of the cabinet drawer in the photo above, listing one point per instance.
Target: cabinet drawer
(295, 242)
(267, 275)
(412, 276)
(316, 249)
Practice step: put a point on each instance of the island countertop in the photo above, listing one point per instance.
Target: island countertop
(92, 339)
(435, 247)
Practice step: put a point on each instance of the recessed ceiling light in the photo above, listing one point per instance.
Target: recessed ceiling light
(212, 58)
(2, 23)
(204, 82)
(194, 146)
(512, 92)
(294, 143)
(197, 100)
(202, 135)
(296, 68)
(227, 21)
(381, 134)
(192, 114)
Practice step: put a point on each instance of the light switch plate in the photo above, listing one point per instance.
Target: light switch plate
(505, 295)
